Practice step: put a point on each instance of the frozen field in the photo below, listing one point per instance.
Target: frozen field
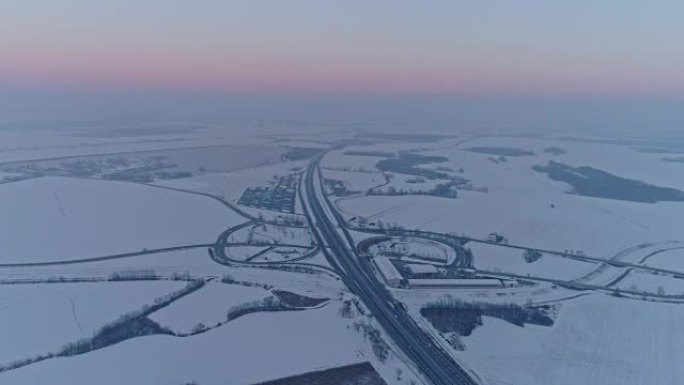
(668, 259)
(290, 342)
(270, 234)
(355, 181)
(20, 145)
(231, 185)
(596, 340)
(208, 306)
(41, 318)
(243, 253)
(599, 227)
(652, 283)
(194, 262)
(623, 160)
(52, 219)
(507, 260)
(338, 160)
(527, 206)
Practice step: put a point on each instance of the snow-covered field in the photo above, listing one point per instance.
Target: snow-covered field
(596, 340)
(22, 145)
(208, 306)
(535, 215)
(250, 349)
(416, 248)
(52, 219)
(271, 234)
(507, 260)
(195, 262)
(652, 283)
(243, 253)
(281, 254)
(527, 206)
(672, 259)
(41, 318)
(338, 160)
(355, 181)
(231, 185)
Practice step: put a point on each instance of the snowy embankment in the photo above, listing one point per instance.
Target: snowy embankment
(52, 219)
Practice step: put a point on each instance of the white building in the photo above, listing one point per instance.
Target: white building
(389, 273)
(458, 283)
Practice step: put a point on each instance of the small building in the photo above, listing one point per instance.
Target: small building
(421, 269)
(388, 271)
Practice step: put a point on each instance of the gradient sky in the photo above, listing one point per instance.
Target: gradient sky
(623, 47)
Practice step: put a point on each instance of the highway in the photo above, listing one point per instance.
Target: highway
(436, 365)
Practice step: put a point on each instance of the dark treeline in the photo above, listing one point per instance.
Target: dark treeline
(592, 182)
(463, 317)
(406, 164)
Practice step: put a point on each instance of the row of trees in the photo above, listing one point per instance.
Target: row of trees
(444, 190)
(380, 347)
(452, 315)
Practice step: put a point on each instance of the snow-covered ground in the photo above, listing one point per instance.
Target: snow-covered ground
(250, 349)
(23, 145)
(231, 185)
(41, 318)
(672, 259)
(622, 160)
(528, 207)
(525, 215)
(652, 283)
(416, 248)
(271, 234)
(281, 254)
(52, 219)
(355, 181)
(338, 160)
(195, 262)
(507, 260)
(243, 253)
(208, 306)
(596, 340)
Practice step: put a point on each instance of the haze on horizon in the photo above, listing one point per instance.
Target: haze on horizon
(583, 61)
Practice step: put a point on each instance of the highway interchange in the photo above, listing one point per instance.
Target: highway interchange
(436, 364)
(331, 232)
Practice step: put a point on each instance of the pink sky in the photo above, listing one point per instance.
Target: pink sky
(302, 46)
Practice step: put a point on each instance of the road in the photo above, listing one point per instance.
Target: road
(444, 238)
(435, 364)
(109, 257)
(218, 255)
